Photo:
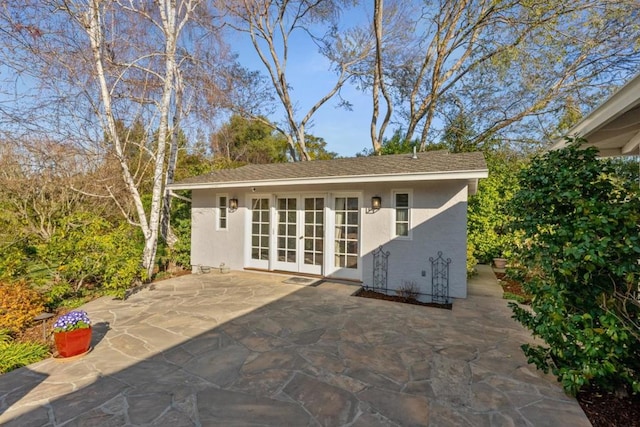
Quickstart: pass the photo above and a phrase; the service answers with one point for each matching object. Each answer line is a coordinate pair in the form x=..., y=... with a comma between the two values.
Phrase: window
x=222, y=212
x=402, y=205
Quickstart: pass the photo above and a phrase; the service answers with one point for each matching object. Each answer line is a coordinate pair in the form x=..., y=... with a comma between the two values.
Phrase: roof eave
x=433, y=176
x=617, y=104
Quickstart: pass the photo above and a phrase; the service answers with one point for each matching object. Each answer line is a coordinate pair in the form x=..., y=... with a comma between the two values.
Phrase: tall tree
x=272, y=26
x=507, y=61
x=105, y=66
x=378, y=86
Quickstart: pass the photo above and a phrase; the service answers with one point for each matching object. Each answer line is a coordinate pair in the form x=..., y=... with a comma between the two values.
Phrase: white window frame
x=409, y=208
x=220, y=210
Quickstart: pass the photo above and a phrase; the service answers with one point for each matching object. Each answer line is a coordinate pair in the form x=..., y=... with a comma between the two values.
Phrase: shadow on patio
x=247, y=349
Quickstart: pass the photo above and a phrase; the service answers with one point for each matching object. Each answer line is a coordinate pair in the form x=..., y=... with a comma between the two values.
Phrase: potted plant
x=72, y=333
x=500, y=262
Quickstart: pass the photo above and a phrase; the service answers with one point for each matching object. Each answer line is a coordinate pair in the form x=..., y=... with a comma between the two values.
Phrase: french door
x=299, y=233
x=259, y=233
x=346, y=237
x=306, y=234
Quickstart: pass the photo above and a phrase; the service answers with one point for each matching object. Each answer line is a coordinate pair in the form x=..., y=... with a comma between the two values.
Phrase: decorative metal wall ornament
x=380, y=269
x=440, y=279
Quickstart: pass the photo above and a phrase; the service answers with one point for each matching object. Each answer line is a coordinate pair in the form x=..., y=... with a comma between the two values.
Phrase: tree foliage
x=581, y=246
x=249, y=141
x=487, y=219
x=506, y=62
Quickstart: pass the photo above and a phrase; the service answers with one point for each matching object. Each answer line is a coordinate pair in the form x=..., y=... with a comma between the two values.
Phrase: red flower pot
x=73, y=343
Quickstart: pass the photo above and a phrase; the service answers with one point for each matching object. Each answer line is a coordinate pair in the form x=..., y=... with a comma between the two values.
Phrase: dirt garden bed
x=364, y=293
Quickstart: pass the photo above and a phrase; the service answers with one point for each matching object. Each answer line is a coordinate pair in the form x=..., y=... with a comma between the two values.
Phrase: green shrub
x=14, y=355
x=471, y=259
x=15, y=260
x=580, y=248
x=180, y=253
x=487, y=223
x=19, y=304
x=87, y=249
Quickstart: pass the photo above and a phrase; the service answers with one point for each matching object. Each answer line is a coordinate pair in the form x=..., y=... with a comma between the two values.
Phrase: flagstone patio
x=246, y=349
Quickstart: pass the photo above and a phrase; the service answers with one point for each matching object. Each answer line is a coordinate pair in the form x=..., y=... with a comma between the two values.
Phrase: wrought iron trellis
x=380, y=269
x=440, y=279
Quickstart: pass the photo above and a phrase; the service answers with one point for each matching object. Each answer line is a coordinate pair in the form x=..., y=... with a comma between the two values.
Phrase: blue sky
x=345, y=131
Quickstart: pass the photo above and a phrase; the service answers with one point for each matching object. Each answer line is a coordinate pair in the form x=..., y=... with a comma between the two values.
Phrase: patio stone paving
x=246, y=349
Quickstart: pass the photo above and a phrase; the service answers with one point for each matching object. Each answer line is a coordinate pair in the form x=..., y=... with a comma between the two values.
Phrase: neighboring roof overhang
x=614, y=126
x=459, y=175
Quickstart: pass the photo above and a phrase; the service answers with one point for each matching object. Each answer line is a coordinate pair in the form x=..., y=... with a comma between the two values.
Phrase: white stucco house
x=614, y=126
x=327, y=217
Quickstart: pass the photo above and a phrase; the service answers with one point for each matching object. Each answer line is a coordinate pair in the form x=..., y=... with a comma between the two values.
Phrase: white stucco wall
x=438, y=222
x=210, y=246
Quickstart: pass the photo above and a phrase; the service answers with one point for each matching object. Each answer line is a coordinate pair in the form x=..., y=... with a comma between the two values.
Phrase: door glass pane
x=287, y=230
x=352, y=203
x=402, y=200
x=313, y=222
x=347, y=232
x=260, y=229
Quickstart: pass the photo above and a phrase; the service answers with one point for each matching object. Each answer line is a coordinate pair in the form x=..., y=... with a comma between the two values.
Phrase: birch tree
x=118, y=62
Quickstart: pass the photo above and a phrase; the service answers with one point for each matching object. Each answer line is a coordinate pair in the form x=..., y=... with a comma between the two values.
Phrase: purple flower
x=71, y=321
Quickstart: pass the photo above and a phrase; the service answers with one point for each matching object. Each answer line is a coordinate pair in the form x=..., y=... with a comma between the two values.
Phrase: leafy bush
x=180, y=252
x=87, y=249
x=14, y=355
x=581, y=246
x=13, y=262
x=487, y=222
x=471, y=259
x=19, y=304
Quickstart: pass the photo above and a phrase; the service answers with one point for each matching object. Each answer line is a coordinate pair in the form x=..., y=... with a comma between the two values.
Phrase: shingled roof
x=431, y=165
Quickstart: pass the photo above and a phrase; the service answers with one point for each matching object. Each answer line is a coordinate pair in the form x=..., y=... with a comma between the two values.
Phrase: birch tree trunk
x=170, y=25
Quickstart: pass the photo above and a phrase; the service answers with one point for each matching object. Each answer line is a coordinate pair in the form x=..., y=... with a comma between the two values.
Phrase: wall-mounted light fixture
x=233, y=204
x=376, y=202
